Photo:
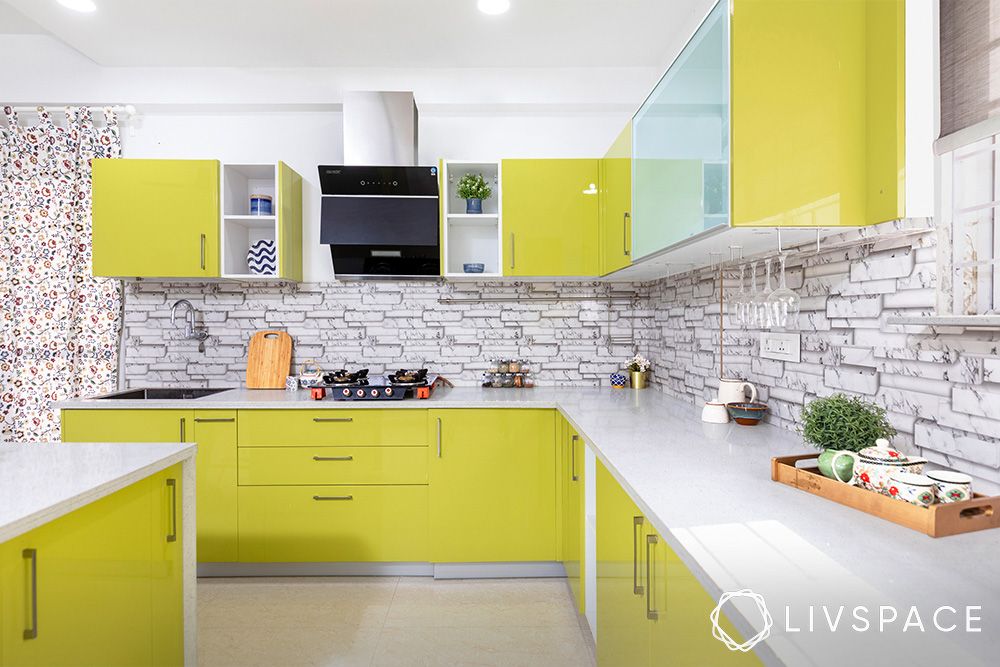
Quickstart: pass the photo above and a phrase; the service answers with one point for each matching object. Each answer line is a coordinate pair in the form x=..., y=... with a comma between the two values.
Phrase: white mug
x=734, y=391
x=715, y=412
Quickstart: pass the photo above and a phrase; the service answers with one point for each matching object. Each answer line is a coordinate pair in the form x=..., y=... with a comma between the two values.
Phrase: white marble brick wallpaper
x=940, y=385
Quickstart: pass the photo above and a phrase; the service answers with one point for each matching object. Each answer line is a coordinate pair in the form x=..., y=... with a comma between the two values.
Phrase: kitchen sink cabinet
x=571, y=485
x=616, y=204
x=493, y=485
x=551, y=212
x=651, y=610
x=213, y=430
x=156, y=218
x=103, y=591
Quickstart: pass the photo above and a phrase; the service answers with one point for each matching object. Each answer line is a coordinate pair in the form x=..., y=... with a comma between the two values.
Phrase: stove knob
x=360, y=393
x=346, y=392
x=373, y=393
x=388, y=391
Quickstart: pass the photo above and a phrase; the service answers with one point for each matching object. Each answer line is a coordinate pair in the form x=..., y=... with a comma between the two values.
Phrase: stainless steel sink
x=160, y=394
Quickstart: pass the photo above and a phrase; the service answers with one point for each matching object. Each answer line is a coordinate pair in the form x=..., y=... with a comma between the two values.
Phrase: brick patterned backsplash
x=384, y=325
x=941, y=386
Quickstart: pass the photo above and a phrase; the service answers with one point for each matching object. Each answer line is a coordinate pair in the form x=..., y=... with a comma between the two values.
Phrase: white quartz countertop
x=707, y=490
x=40, y=482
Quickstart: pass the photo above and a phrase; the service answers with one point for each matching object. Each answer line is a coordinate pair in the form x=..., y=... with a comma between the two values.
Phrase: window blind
x=970, y=63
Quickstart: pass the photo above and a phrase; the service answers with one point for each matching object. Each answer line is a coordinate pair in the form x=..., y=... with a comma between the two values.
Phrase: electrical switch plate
x=781, y=346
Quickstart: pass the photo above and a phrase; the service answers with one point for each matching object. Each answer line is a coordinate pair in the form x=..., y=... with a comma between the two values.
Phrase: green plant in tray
x=844, y=422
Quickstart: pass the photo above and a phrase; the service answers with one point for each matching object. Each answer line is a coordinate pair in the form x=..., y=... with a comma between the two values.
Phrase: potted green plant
x=638, y=368
x=473, y=189
x=838, y=423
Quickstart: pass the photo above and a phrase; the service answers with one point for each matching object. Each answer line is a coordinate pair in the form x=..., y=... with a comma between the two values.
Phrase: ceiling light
x=491, y=7
x=79, y=5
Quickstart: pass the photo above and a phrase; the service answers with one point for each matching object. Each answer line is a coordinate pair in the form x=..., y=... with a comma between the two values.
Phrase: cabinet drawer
x=332, y=465
x=288, y=524
x=405, y=427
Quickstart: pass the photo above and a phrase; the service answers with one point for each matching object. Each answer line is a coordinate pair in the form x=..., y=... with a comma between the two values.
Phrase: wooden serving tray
x=938, y=520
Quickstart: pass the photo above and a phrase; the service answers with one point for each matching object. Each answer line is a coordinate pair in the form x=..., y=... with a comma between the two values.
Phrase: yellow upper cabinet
x=289, y=223
x=616, y=204
x=156, y=218
x=817, y=112
x=550, y=217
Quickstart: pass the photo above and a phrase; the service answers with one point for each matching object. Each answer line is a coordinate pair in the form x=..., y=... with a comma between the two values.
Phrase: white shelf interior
x=472, y=237
x=239, y=228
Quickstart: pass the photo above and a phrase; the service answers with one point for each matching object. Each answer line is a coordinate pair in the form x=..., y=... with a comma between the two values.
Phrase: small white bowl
x=915, y=489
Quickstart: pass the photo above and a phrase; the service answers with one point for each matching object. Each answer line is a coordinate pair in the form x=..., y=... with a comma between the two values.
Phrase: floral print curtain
x=59, y=332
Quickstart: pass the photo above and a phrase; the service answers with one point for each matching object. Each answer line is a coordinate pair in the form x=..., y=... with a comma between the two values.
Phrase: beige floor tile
x=425, y=603
x=507, y=647
x=333, y=646
x=294, y=602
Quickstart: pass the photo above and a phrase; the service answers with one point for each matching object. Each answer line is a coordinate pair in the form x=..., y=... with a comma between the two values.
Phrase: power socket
x=781, y=346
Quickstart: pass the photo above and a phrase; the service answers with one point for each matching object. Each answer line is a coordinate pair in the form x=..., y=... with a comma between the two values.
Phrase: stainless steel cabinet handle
x=213, y=420
x=651, y=614
x=183, y=429
x=333, y=497
x=202, y=252
x=572, y=449
x=32, y=554
x=637, y=588
x=172, y=485
x=333, y=419
x=625, y=221
x=439, y=436
x=512, y=250
x=333, y=458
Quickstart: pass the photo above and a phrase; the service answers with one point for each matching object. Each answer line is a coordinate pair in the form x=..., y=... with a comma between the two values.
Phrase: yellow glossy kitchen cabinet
x=366, y=427
x=571, y=487
x=376, y=523
x=88, y=588
x=492, y=485
x=616, y=204
x=651, y=610
x=289, y=230
x=818, y=127
x=167, y=567
x=260, y=466
x=216, y=462
x=156, y=218
x=551, y=212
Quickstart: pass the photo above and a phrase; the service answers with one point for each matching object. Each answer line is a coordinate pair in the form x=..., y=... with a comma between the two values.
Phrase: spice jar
x=518, y=380
x=515, y=366
x=529, y=381
x=503, y=366
x=508, y=380
x=497, y=380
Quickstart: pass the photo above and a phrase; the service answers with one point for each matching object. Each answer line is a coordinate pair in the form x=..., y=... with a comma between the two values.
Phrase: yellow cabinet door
x=678, y=611
x=572, y=512
x=616, y=204
x=493, y=485
x=215, y=433
x=167, y=568
x=156, y=218
x=127, y=425
x=551, y=212
x=93, y=597
x=273, y=466
x=290, y=524
x=333, y=426
x=802, y=116
x=622, y=628
x=289, y=223
x=18, y=646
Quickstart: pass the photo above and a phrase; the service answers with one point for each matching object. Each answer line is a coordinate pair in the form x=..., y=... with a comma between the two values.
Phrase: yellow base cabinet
x=296, y=428
x=156, y=218
x=332, y=465
x=96, y=587
x=289, y=524
x=551, y=212
x=571, y=485
x=216, y=463
x=493, y=485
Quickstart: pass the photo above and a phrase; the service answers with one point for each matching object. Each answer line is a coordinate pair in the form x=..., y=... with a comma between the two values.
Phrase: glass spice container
x=497, y=380
x=529, y=381
x=515, y=366
x=503, y=366
x=518, y=380
x=508, y=380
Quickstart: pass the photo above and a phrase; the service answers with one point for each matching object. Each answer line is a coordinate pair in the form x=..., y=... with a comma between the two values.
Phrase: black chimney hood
x=381, y=222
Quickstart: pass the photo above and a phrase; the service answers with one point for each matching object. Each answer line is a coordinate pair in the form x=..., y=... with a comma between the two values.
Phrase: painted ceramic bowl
x=747, y=414
x=952, y=487
x=618, y=380
x=915, y=489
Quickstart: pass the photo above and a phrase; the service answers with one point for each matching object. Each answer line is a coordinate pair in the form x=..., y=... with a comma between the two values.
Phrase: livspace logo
x=861, y=618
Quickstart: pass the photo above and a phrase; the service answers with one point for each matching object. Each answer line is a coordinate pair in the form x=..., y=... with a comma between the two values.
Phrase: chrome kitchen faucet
x=191, y=332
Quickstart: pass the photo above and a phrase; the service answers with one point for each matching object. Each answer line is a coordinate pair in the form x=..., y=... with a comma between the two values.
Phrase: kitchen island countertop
x=707, y=490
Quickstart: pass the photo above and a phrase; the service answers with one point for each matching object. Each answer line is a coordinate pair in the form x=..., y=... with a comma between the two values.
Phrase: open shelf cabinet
x=240, y=229
x=470, y=238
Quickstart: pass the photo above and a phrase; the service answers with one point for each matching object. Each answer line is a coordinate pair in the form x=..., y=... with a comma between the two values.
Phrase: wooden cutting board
x=269, y=360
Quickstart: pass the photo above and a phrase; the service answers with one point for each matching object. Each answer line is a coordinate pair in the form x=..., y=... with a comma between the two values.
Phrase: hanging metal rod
x=127, y=109
x=537, y=297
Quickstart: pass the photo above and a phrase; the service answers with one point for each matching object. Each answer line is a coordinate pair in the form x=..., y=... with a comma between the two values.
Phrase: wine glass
x=740, y=301
x=753, y=300
x=784, y=303
x=763, y=307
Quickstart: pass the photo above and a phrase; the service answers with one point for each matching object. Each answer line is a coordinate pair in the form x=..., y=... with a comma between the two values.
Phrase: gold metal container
x=640, y=379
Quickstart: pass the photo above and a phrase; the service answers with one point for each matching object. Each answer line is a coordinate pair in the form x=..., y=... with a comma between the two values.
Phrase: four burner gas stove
x=343, y=385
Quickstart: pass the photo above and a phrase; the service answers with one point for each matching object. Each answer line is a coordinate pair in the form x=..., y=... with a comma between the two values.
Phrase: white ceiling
x=362, y=33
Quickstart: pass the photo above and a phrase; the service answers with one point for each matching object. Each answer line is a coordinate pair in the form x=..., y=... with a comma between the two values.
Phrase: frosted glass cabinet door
x=680, y=165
